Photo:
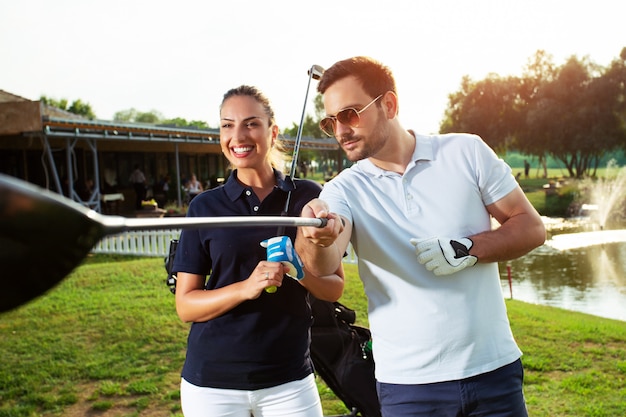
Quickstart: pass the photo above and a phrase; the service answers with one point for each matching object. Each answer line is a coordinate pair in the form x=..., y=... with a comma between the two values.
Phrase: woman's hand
x=265, y=275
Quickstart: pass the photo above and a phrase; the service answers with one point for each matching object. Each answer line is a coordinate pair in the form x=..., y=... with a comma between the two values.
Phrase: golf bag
x=342, y=356
x=170, y=281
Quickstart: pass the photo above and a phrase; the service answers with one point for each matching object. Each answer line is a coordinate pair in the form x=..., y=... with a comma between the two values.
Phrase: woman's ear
x=275, y=133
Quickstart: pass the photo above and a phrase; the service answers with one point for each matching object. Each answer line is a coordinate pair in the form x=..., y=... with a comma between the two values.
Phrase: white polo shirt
x=427, y=328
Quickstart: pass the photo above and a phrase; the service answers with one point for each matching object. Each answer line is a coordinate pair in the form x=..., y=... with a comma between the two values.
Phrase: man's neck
x=397, y=158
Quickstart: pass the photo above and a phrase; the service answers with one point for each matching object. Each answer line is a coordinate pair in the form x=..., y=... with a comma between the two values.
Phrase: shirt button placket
x=408, y=197
x=255, y=206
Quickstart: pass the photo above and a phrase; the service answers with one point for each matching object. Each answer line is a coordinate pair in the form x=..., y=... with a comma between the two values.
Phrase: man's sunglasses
x=349, y=116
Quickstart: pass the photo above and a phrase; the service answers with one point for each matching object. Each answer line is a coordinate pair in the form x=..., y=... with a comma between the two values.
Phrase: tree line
x=131, y=115
x=575, y=112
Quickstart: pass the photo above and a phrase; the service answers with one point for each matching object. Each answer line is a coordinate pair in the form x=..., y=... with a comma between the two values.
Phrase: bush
x=557, y=204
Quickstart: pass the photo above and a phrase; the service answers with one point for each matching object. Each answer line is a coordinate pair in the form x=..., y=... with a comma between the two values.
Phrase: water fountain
x=606, y=198
x=608, y=194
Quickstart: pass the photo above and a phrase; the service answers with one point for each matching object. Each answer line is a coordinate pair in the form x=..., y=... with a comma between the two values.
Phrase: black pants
x=140, y=194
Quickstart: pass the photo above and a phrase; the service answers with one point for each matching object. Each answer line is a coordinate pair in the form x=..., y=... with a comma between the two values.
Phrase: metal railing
x=155, y=243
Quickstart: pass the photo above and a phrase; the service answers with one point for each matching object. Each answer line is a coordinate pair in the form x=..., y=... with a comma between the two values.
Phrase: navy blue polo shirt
x=260, y=343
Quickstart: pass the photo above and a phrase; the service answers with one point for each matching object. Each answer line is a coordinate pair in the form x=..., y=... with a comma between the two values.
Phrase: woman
x=247, y=350
x=194, y=187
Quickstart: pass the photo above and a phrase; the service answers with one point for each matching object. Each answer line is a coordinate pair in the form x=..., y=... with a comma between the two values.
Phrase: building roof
x=5, y=96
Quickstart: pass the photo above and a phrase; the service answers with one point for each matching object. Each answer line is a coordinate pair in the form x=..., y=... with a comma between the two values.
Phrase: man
x=139, y=184
x=417, y=210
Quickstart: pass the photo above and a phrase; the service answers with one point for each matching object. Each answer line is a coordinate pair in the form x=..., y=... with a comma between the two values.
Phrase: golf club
x=315, y=73
x=44, y=235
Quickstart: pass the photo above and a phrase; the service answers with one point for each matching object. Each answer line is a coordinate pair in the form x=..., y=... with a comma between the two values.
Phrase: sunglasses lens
x=328, y=126
x=349, y=117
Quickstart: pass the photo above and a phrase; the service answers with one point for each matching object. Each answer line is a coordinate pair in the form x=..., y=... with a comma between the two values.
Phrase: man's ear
x=390, y=104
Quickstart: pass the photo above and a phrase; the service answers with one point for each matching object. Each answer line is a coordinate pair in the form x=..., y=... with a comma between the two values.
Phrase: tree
x=83, y=109
x=573, y=115
x=125, y=115
x=487, y=108
x=539, y=71
x=132, y=115
x=151, y=117
x=180, y=122
x=77, y=107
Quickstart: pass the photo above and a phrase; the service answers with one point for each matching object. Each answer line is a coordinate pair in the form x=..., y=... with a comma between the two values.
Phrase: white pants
x=293, y=399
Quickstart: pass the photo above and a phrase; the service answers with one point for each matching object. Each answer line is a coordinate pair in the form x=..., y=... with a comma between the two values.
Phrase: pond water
x=580, y=268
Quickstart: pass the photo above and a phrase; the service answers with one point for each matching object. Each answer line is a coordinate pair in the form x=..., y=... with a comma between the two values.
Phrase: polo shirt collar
x=423, y=148
x=234, y=189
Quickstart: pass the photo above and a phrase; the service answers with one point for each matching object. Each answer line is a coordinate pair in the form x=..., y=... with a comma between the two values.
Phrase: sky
x=179, y=57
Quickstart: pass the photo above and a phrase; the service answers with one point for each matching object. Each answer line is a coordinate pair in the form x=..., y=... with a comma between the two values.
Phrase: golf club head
x=316, y=72
x=41, y=241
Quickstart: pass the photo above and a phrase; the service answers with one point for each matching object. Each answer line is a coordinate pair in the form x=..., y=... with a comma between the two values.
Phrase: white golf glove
x=444, y=256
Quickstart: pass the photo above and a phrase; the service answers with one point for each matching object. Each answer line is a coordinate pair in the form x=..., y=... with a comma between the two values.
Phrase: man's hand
x=327, y=235
x=322, y=249
x=444, y=256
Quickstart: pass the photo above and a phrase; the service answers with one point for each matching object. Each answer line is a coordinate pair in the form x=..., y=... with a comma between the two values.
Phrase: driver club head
x=41, y=241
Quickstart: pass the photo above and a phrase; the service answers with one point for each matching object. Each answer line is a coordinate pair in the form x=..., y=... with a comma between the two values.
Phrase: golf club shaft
x=203, y=222
x=296, y=147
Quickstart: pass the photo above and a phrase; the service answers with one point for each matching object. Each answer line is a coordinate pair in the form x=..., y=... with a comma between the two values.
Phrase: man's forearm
x=319, y=260
x=521, y=230
x=513, y=239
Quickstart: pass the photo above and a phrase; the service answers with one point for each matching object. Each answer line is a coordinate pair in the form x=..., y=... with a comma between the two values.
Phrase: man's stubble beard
x=371, y=145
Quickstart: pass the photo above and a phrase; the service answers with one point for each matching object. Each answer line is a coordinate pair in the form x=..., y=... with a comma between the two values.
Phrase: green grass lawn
x=107, y=342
